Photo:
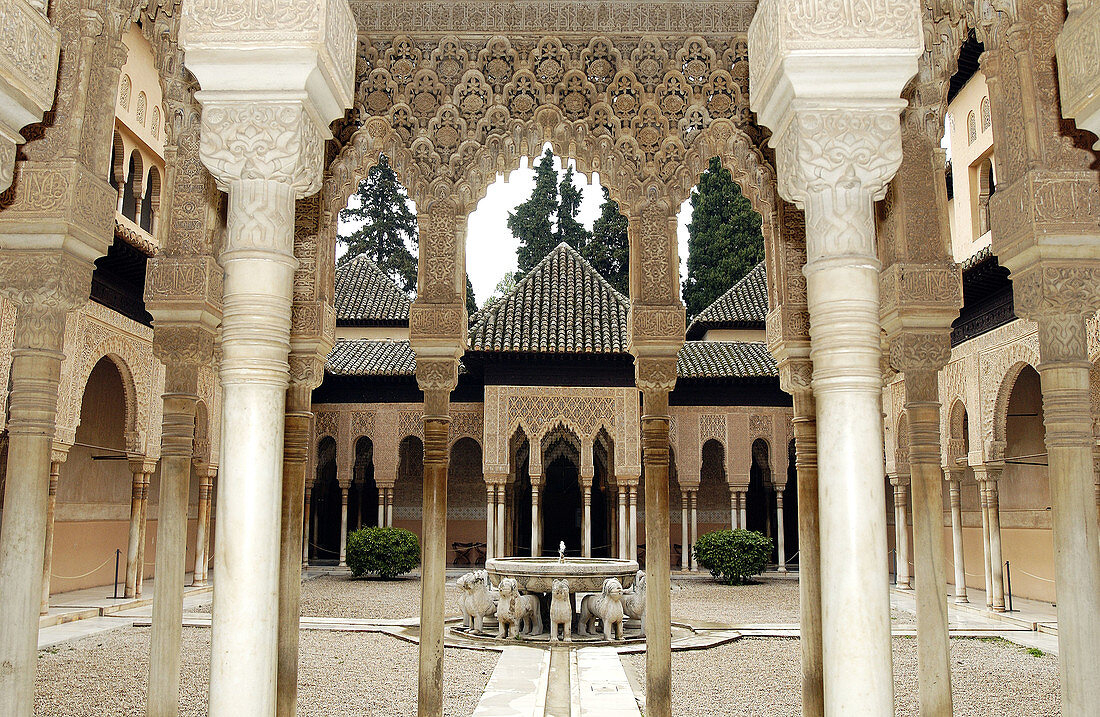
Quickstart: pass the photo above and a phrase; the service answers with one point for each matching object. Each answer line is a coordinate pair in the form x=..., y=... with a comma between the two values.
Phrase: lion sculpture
x=528, y=615
x=561, y=611
x=608, y=607
x=476, y=600
x=634, y=601
x=506, y=609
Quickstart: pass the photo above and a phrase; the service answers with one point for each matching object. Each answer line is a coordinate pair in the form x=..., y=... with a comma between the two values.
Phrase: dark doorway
x=790, y=508
x=562, y=506
x=363, y=495
x=325, y=544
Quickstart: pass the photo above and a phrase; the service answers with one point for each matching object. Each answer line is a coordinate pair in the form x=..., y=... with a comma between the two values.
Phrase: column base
x=961, y=601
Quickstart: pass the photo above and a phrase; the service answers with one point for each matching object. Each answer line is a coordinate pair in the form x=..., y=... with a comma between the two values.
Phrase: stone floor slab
x=517, y=687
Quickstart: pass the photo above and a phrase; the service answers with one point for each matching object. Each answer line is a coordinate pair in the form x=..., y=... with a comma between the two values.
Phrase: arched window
x=155, y=122
x=150, y=203
x=971, y=128
x=124, y=93
x=141, y=107
x=118, y=157
x=131, y=193
x=987, y=115
x=986, y=188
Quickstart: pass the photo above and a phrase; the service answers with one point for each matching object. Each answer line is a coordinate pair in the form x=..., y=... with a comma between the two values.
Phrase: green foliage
x=387, y=234
x=1035, y=652
x=609, y=249
x=724, y=238
x=530, y=222
x=733, y=556
x=569, y=230
x=389, y=552
x=471, y=302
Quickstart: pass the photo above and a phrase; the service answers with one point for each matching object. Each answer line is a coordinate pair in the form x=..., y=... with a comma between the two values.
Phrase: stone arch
x=713, y=502
x=126, y=359
x=466, y=510
x=326, y=503
x=958, y=429
x=758, y=500
x=409, y=485
x=995, y=450
x=363, y=491
x=135, y=176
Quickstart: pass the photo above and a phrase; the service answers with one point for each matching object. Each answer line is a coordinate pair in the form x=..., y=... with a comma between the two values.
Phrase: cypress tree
x=471, y=303
x=609, y=250
x=530, y=222
x=388, y=226
x=569, y=230
x=724, y=238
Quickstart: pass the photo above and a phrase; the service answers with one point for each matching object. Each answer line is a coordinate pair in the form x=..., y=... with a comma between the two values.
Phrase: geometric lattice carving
x=713, y=425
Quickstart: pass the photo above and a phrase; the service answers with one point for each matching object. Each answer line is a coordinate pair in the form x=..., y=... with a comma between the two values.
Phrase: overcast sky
x=491, y=248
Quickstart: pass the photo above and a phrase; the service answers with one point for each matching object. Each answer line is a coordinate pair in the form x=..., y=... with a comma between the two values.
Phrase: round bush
x=389, y=552
x=733, y=556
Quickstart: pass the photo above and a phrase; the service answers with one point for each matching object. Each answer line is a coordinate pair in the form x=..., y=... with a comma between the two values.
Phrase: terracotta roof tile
x=371, y=357
x=562, y=306
x=725, y=359
x=745, y=303
x=364, y=294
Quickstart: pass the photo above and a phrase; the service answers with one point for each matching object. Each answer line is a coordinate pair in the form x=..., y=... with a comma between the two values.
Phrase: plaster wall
x=754, y=335
x=966, y=156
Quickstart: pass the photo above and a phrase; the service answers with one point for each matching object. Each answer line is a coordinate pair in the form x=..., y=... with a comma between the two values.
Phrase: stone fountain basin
x=585, y=575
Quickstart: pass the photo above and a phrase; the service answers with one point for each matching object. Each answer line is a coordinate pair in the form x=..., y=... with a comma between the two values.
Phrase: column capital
x=988, y=473
x=44, y=286
x=1060, y=292
x=142, y=465
x=655, y=373
x=436, y=375
x=1077, y=77
x=184, y=346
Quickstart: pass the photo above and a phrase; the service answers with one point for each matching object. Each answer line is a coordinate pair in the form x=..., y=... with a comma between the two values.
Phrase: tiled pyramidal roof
x=744, y=305
x=725, y=359
x=365, y=295
x=370, y=357
x=562, y=306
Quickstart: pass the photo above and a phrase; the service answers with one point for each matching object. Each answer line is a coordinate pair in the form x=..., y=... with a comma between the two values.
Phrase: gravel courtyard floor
x=761, y=677
x=344, y=673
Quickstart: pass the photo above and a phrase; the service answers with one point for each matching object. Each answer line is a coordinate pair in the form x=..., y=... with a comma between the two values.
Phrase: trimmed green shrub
x=389, y=552
x=733, y=556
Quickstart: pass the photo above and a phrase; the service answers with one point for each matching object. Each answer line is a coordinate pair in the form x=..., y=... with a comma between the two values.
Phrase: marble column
x=133, y=548
x=59, y=455
x=780, y=535
x=987, y=476
x=308, y=368
x=685, y=538
x=694, y=495
x=983, y=503
x=263, y=136
x=742, y=509
x=624, y=530
x=381, y=519
x=178, y=433
x=536, y=519
x=143, y=525
x=389, y=506
x=632, y=521
x=307, y=531
x=734, y=518
x=344, y=524
x=901, y=531
x=834, y=160
x=655, y=378
x=586, y=518
x=502, y=524
x=436, y=378
x=954, y=478
x=796, y=374
x=490, y=521
x=206, y=482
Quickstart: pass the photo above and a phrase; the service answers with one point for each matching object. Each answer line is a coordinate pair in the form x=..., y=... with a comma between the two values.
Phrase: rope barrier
x=1045, y=580
x=78, y=577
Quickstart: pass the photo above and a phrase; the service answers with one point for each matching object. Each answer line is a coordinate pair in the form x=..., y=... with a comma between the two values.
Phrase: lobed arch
x=995, y=448
x=125, y=358
x=959, y=426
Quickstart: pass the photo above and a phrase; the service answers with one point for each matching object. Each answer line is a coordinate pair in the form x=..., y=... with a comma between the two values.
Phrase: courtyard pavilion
x=274, y=110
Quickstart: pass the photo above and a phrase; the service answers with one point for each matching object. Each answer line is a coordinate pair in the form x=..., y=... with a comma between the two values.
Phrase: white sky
x=491, y=248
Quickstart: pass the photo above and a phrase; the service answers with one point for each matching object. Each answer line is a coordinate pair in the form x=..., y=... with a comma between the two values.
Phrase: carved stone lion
x=561, y=611
x=634, y=600
x=476, y=601
x=528, y=615
x=608, y=607
x=506, y=609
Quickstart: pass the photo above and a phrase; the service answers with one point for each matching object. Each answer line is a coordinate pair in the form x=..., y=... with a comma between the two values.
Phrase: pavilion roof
x=371, y=357
x=725, y=359
x=745, y=305
x=562, y=306
x=365, y=295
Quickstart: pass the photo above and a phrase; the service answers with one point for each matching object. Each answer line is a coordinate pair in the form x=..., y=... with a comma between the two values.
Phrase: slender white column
x=694, y=495
x=684, y=537
x=983, y=501
x=51, y=508
x=623, y=529
x=501, y=523
x=957, y=536
x=996, y=560
x=199, y=572
x=742, y=509
x=780, y=535
x=307, y=533
x=901, y=533
x=132, y=545
x=733, y=510
x=343, y=525
x=490, y=521
x=536, y=520
x=381, y=490
x=632, y=538
x=586, y=521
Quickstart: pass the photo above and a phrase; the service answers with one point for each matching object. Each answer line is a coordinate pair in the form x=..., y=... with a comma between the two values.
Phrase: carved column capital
x=796, y=374
x=655, y=373
x=44, y=286
x=183, y=348
x=920, y=351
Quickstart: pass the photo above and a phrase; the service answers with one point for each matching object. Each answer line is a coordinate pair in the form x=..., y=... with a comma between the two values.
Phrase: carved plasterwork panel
x=7, y=340
x=999, y=366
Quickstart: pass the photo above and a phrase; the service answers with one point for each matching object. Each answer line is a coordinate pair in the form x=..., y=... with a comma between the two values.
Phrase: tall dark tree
x=569, y=230
x=471, y=302
x=531, y=222
x=387, y=233
x=609, y=249
x=724, y=238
